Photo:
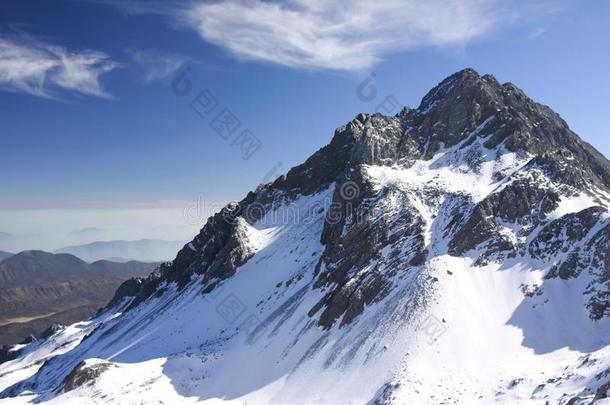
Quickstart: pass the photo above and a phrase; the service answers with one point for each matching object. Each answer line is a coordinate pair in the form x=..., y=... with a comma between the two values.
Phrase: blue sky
x=91, y=123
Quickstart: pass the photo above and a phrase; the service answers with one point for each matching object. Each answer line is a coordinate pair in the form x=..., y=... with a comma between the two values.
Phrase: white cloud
x=339, y=35
x=31, y=66
x=156, y=66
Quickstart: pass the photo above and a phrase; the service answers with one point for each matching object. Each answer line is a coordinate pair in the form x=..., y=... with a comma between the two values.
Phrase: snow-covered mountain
x=454, y=253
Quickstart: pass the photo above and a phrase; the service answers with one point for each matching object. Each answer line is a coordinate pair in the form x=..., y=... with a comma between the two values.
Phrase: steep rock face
x=592, y=257
x=451, y=111
x=401, y=263
x=526, y=200
x=369, y=238
x=7, y=353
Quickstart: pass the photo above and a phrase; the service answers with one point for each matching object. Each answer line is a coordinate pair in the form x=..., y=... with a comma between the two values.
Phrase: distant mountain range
x=144, y=250
x=38, y=289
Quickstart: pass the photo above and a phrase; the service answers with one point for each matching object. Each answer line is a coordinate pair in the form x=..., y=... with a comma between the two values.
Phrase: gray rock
x=7, y=353
x=561, y=234
x=51, y=330
x=84, y=374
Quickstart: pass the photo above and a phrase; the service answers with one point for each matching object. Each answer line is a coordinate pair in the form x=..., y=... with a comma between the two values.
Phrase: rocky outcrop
x=51, y=330
x=599, y=290
x=602, y=392
x=561, y=234
x=84, y=373
x=129, y=288
x=8, y=353
x=524, y=200
x=359, y=227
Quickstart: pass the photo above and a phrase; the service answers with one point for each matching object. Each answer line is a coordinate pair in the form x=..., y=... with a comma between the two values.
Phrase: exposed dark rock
x=602, y=392
x=129, y=288
x=593, y=257
x=84, y=374
x=7, y=353
x=523, y=200
x=562, y=233
x=28, y=340
x=572, y=401
x=451, y=111
x=51, y=330
x=599, y=292
x=385, y=395
x=355, y=232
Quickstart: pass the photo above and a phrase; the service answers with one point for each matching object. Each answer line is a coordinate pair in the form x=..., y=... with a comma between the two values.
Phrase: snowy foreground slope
x=455, y=253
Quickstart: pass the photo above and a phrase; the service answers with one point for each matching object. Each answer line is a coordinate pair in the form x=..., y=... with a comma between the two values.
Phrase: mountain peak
x=466, y=75
x=463, y=107
x=466, y=83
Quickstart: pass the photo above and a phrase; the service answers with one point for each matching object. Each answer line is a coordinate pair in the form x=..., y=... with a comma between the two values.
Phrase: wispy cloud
x=339, y=35
x=32, y=66
x=155, y=66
